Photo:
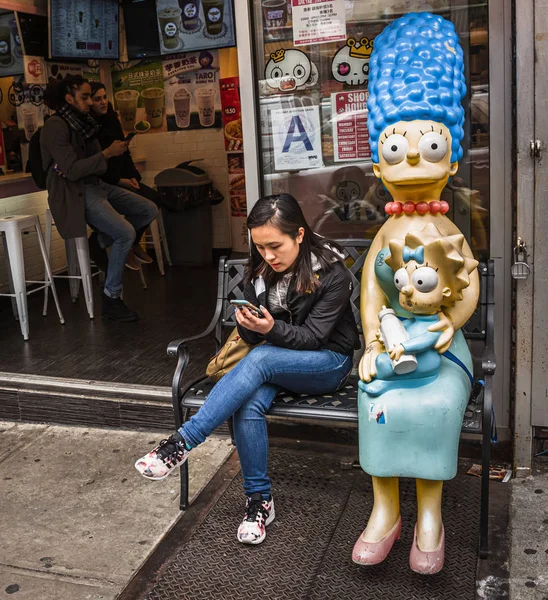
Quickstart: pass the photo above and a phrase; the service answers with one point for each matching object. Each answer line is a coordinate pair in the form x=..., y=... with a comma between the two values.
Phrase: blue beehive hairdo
x=417, y=72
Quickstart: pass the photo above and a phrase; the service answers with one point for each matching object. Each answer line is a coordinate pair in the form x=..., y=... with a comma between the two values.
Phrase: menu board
x=84, y=29
x=141, y=28
x=11, y=55
x=187, y=25
x=350, y=133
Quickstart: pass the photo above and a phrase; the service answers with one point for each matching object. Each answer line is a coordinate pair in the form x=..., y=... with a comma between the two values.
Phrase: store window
x=318, y=86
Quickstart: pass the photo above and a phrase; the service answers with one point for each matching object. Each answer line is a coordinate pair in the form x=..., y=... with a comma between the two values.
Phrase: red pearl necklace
x=435, y=207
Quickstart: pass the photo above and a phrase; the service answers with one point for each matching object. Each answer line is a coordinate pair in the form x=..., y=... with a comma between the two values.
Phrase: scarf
x=83, y=124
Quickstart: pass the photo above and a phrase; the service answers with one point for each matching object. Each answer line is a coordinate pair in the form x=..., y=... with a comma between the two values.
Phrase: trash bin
x=187, y=195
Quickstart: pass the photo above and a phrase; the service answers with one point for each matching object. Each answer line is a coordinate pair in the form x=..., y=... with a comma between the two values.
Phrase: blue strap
x=459, y=362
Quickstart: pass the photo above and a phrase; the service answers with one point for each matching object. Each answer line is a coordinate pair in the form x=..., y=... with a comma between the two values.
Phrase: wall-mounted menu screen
x=187, y=25
x=33, y=31
x=141, y=28
x=11, y=54
x=83, y=29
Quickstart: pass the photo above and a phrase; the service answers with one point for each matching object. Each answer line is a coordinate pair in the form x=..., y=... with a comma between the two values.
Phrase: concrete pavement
x=77, y=520
x=529, y=536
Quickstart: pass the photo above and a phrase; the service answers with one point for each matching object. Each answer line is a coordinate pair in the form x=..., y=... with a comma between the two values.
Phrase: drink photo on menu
x=187, y=25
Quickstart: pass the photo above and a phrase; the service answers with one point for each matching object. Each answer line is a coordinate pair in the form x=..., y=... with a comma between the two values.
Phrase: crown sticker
x=351, y=62
x=278, y=56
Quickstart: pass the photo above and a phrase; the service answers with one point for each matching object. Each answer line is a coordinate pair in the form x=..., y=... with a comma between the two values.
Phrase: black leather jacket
x=319, y=320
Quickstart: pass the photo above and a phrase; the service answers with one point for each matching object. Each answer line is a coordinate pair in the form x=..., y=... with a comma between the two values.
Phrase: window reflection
x=343, y=198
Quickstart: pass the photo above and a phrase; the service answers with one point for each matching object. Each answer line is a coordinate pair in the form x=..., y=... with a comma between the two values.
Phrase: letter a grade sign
x=297, y=138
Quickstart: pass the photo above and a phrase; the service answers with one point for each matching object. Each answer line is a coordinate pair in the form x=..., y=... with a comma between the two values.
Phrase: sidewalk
x=529, y=536
x=77, y=520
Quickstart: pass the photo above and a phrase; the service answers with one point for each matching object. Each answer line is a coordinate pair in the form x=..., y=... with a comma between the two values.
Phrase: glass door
x=317, y=92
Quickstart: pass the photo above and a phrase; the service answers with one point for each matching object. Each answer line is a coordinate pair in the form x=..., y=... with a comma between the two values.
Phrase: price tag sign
x=232, y=115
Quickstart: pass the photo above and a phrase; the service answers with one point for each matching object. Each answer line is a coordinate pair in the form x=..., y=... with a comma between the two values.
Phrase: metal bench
x=342, y=405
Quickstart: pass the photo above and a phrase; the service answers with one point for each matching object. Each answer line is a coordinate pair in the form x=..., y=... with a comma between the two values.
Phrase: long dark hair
x=283, y=211
x=56, y=90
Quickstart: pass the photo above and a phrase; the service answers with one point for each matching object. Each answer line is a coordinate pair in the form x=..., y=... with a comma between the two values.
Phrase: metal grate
x=320, y=511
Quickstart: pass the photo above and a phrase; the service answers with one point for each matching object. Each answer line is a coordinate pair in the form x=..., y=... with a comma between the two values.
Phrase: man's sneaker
x=97, y=254
x=258, y=514
x=114, y=309
x=131, y=261
x=141, y=255
x=160, y=461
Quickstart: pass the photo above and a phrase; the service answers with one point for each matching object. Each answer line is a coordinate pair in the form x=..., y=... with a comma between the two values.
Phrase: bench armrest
x=174, y=346
x=178, y=349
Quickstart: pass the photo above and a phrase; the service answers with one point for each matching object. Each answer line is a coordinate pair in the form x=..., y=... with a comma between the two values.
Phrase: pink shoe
x=373, y=553
x=427, y=563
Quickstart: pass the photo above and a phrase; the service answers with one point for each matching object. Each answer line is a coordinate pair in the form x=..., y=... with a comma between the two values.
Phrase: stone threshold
x=42, y=399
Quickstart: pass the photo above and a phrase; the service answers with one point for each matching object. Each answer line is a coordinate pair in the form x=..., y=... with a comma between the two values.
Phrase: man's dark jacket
x=77, y=159
x=321, y=319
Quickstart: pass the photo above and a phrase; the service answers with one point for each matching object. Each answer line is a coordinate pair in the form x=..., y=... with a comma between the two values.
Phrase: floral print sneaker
x=258, y=514
x=160, y=461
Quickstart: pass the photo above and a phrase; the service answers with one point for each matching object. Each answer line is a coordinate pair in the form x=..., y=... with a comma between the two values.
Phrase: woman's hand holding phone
x=246, y=318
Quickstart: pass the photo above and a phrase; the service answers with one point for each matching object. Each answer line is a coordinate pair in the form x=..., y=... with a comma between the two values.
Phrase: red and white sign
x=35, y=70
x=232, y=113
x=350, y=133
x=318, y=21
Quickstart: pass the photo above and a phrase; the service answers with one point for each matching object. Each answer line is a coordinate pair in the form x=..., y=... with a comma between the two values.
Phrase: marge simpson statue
x=410, y=427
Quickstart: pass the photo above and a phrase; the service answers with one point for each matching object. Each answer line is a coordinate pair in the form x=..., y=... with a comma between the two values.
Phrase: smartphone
x=130, y=136
x=246, y=304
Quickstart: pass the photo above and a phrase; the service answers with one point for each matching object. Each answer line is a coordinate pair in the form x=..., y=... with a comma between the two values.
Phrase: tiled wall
x=165, y=150
x=161, y=151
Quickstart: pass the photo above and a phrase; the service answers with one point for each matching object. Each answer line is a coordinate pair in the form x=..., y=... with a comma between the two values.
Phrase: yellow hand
x=396, y=352
x=444, y=324
x=368, y=367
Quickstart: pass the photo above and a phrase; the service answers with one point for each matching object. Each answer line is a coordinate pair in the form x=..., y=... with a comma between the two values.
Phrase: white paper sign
x=297, y=138
x=318, y=21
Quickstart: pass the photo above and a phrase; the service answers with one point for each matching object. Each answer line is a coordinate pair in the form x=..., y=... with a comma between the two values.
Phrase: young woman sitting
x=303, y=287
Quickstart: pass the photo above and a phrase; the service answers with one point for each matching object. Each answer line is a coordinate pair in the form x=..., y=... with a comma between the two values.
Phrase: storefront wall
x=531, y=367
x=340, y=196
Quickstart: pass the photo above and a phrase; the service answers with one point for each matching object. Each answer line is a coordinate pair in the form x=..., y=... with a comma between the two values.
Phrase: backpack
x=34, y=165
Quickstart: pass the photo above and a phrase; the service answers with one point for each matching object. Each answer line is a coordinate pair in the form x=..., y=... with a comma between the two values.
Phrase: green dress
x=414, y=431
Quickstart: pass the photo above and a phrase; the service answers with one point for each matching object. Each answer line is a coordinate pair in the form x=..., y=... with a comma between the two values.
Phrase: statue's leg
x=386, y=508
x=384, y=525
x=427, y=552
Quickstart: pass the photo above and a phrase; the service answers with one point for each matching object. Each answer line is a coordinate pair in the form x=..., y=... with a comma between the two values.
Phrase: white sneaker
x=160, y=461
x=258, y=514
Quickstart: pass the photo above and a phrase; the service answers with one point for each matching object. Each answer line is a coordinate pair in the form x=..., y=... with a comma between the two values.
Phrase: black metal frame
x=230, y=278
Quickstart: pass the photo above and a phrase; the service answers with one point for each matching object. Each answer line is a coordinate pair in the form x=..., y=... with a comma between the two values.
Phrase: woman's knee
x=259, y=354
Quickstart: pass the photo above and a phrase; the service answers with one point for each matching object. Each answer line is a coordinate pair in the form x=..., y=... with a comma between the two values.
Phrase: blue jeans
x=105, y=204
x=247, y=392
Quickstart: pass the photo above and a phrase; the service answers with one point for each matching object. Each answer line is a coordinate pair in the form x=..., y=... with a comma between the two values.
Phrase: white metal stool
x=12, y=227
x=78, y=266
x=157, y=238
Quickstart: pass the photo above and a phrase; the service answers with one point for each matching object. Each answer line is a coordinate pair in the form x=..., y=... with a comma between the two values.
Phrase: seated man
x=74, y=162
